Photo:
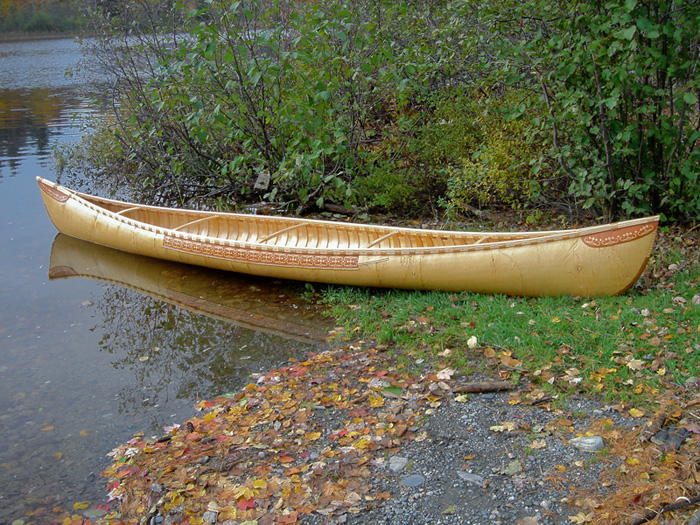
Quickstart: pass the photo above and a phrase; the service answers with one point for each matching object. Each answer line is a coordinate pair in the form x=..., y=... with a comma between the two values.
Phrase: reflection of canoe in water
x=601, y=260
x=219, y=295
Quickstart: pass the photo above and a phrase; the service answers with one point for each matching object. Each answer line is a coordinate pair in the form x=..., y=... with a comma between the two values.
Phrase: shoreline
x=23, y=37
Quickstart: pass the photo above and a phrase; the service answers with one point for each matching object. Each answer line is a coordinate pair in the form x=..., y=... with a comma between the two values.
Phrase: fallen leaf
x=635, y=364
x=246, y=504
x=635, y=412
x=445, y=374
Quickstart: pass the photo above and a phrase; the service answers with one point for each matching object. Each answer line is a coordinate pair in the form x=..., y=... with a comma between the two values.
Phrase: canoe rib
x=599, y=260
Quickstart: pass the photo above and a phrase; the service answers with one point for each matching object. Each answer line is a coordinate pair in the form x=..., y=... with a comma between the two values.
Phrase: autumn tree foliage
x=41, y=15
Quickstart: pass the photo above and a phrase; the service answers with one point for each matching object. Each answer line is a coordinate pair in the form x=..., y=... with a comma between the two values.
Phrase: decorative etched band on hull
x=247, y=255
x=54, y=193
x=613, y=237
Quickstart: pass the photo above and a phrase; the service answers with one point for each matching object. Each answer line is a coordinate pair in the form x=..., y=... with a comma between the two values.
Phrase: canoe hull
x=587, y=262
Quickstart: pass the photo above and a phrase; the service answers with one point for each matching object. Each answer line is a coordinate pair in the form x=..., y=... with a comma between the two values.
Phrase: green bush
x=622, y=86
x=500, y=170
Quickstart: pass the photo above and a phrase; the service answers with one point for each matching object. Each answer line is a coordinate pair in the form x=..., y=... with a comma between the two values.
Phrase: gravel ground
x=465, y=472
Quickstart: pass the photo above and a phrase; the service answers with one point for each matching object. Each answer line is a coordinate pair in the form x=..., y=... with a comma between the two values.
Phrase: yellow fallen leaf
x=506, y=426
x=556, y=320
x=661, y=371
x=260, y=484
x=462, y=398
x=632, y=461
x=58, y=455
x=362, y=444
x=635, y=412
x=312, y=436
x=46, y=428
x=376, y=401
x=81, y=505
x=84, y=433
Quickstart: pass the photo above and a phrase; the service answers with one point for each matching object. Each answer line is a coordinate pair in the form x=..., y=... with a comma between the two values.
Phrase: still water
x=95, y=344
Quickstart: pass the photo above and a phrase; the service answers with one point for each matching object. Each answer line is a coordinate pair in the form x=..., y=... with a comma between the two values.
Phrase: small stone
x=397, y=463
x=588, y=444
x=671, y=436
x=471, y=478
x=414, y=480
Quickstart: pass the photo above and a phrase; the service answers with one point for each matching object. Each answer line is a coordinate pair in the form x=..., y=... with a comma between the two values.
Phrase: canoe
x=594, y=261
x=244, y=301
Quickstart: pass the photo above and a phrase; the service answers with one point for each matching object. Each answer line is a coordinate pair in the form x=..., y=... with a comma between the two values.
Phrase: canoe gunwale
x=515, y=240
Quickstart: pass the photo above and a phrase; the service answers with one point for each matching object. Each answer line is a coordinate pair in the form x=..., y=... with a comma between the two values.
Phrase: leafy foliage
x=47, y=16
x=621, y=83
x=259, y=98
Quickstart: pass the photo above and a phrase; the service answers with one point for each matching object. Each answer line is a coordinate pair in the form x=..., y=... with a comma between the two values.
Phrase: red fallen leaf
x=297, y=371
x=113, y=485
x=246, y=504
x=122, y=473
x=193, y=436
x=286, y=458
x=382, y=373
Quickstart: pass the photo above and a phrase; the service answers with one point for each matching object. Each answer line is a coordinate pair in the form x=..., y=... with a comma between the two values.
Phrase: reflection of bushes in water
x=173, y=351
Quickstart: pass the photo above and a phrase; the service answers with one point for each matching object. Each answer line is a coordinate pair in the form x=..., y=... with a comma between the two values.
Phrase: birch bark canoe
x=594, y=261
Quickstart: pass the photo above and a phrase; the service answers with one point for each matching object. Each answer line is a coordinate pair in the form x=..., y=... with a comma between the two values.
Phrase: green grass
x=624, y=348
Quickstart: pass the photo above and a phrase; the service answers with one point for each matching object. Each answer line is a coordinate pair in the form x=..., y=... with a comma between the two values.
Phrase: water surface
x=96, y=345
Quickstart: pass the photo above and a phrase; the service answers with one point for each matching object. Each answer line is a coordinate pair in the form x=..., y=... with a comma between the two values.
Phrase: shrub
x=621, y=83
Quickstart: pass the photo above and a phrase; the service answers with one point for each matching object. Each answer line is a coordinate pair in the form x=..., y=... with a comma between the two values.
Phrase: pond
x=95, y=344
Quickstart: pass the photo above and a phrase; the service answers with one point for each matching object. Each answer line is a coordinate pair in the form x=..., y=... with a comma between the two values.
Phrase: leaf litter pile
x=302, y=439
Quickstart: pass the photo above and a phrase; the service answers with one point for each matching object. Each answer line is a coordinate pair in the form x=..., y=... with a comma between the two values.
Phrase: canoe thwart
x=196, y=221
x=127, y=210
x=280, y=232
x=382, y=238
